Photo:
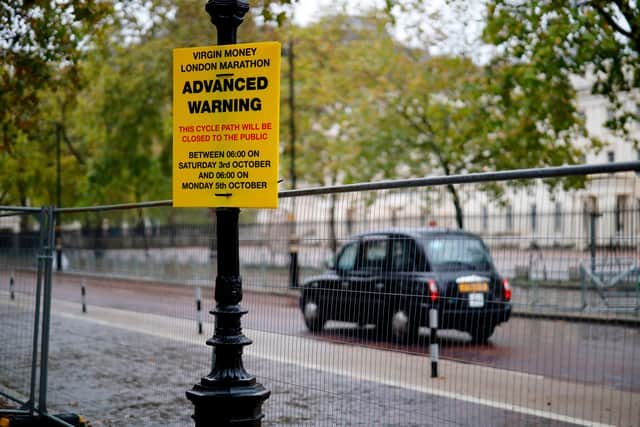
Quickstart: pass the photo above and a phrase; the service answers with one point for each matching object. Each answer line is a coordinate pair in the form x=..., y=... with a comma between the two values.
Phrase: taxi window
x=347, y=259
x=374, y=255
x=403, y=255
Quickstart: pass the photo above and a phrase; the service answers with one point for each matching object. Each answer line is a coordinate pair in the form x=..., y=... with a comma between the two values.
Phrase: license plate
x=473, y=287
x=476, y=300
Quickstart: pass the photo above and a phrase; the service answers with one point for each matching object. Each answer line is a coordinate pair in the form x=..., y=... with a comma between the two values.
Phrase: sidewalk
x=123, y=368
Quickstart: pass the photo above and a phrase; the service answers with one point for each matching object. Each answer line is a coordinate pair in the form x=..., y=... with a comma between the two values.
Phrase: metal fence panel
x=125, y=341
x=20, y=296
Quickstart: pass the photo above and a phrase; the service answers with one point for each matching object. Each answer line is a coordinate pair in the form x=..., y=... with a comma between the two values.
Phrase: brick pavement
x=119, y=377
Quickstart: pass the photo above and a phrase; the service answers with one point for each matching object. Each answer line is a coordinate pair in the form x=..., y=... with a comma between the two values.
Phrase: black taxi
x=391, y=279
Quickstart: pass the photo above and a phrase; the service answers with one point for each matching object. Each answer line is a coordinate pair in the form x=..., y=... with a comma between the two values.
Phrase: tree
x=407, y=112
x=37, y=39
x=434, y=119
x=450, y=116
x=126, y=110
x=41, y=45
x=332, y=102
x=555, y=40
x=125, y=123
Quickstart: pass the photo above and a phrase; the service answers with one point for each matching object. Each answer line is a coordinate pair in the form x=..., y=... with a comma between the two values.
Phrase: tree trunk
x=458, y=207
x=24, y=219
x=333, y=240
x=142, y=229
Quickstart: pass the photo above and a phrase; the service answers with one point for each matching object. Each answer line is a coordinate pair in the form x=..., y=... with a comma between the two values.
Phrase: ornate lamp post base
x=229, y=395
x=228, y=406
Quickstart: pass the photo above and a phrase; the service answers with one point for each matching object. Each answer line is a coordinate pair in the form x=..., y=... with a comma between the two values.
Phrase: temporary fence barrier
x=566, y=355
x=26, y=314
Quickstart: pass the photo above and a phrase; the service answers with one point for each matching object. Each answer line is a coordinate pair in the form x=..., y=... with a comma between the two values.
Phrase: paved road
x=587, y=352
x=544, y=372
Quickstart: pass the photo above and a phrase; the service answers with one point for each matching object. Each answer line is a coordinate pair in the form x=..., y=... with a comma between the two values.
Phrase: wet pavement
x=122, y=378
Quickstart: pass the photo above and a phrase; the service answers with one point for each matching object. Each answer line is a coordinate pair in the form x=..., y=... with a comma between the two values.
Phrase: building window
x=557, y=223
x=621, y=213
x=534, y=217
x=611, y=156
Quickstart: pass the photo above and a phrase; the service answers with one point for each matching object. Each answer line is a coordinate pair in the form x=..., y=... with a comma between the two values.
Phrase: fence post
x=583, y=287
x=46, y=258
x=594, y=216
x=42, y=220
x=229, y=395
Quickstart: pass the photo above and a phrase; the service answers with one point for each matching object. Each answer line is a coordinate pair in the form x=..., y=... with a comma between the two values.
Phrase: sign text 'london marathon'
x=225, y=65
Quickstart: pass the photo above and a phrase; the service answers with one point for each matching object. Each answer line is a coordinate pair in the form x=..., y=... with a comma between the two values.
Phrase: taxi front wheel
x=313, y=317
x=400, y=326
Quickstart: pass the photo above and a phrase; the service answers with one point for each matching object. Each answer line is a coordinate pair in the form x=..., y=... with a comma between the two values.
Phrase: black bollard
x=11, y=286
x=83, y=297
x=229, y=395
x=433, y=344
x=199, y=309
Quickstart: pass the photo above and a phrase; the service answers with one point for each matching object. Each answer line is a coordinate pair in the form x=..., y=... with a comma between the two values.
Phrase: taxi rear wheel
x=482, y=333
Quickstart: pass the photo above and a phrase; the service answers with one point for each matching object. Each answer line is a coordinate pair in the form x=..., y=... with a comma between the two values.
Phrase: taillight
x=506, y=289
x=433, y=290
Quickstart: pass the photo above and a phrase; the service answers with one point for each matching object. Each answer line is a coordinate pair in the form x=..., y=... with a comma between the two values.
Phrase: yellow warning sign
x=226, y=112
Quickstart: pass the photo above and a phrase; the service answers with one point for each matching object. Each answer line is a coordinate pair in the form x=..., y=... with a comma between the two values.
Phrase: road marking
x=156, y=325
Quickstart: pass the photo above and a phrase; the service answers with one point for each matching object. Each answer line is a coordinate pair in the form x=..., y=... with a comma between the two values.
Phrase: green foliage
x=125, y=123
x=551, y=40
x=41, y=44
x=370, y=108
x=334, y=92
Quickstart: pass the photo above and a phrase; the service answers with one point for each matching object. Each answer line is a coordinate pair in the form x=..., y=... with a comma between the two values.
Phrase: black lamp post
x=229, y=395
x=294, y=275
x=292, y=117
